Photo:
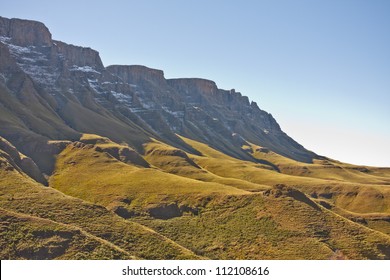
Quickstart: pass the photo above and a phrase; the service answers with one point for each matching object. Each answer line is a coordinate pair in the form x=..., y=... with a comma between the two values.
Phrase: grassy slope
x=21, y=195
x=355, y=197
x=229, y=223
x=28, y=237
x=322, y=169
x=262, y=227
x=95, y=176
x=175, y=161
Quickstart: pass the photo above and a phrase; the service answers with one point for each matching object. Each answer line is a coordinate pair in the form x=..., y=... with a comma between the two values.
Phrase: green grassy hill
x=222, y=207
x=102, y=233
x=106, y=200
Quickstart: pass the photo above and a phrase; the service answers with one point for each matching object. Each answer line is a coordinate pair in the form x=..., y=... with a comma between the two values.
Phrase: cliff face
x=25, y=33
x=78, y=56
x=53, y=90
x=134, y=74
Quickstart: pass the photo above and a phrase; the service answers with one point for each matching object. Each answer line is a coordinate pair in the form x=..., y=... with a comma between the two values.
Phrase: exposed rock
x=79, y=56
x=7, y=62
x=134, y=74
x=194, y=85
x=25, y=32
x=55, y=91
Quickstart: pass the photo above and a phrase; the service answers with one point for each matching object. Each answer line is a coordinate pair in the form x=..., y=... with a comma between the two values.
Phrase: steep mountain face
x=53, y=90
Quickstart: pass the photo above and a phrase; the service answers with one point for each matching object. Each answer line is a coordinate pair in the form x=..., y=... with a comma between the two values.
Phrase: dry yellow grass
x=21, y=195
x=362, y=197
x=214, y=205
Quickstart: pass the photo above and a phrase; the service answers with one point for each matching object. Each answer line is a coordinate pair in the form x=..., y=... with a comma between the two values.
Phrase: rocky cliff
x=25, y=33
x=50, y=90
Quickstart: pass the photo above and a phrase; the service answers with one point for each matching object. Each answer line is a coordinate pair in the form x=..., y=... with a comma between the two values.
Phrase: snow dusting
x=178, y=114
x=94, y=84
x=86, y=69
x=33, y=63
x=4, y=39
x=3, y=78
x=122, y=98
x=41, y=74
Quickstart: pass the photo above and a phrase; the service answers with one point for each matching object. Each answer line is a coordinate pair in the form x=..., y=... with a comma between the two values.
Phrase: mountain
x=179, y=167
x=74, y=93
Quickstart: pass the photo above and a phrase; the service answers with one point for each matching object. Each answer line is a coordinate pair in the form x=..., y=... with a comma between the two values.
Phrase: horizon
x=322, y=106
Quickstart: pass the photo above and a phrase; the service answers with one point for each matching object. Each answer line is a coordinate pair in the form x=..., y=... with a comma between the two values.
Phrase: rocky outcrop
x=25, y=32
x=75, y=56
x=194, y=85
x=134, y=74
x=7, y=62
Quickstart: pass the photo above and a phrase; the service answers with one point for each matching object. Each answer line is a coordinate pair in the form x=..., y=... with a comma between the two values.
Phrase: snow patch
x=146, y=105
x=5, y=39
x=22, y=52
x=110, y=83
x=40, y=74
x=30, y=60
x=94, y=84
x=86, y=69
x=2, y=77
x=137, y=110
x=178, y=114
x=122, y=98
x=32, y=63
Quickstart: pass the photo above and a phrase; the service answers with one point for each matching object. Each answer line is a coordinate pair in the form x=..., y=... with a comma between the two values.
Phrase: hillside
x=119, y=162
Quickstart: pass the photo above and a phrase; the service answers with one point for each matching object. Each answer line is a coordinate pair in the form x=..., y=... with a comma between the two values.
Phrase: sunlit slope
x=273, y=226
x=322, y=169
x=84, y=171
x=23, y=200
x=176, y=161
x=205, y=213
x=349, y=195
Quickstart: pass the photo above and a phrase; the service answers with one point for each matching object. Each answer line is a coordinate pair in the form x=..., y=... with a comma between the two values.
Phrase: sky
x=321, y=68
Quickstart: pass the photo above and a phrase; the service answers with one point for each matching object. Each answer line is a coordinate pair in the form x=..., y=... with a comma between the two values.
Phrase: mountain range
x=119, y=162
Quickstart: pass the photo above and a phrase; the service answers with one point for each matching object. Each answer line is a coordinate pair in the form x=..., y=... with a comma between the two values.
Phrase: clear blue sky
x=321, y=68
